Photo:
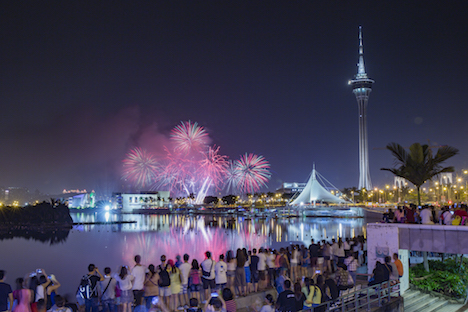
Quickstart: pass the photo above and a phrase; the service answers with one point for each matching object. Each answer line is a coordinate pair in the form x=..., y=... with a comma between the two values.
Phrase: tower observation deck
x=362, y=87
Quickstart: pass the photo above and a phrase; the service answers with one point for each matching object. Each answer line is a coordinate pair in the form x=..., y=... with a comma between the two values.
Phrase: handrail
x=361, y=298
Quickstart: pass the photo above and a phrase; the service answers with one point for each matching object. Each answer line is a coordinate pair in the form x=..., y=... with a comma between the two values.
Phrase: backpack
x=194, y=277
x=86, y=289
x=164, y=278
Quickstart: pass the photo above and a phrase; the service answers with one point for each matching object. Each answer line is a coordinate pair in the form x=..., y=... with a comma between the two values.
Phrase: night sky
x=82, y=82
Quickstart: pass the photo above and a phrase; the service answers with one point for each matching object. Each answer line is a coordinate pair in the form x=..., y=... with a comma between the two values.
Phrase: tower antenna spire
x=361, y=68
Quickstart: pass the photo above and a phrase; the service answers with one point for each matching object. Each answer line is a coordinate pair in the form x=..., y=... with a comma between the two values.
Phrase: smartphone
x=155, y=300
x=39, y=271
x=215, y=294
x=318, y=271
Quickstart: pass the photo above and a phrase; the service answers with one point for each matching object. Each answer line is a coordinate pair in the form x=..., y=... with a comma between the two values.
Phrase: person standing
x=91, y=302
x=220, y=273
x=240, y=281
x=341, y=277
x=447, y=216
x=108, y=291
x=184, y=273
x=176, y=284
x=398, y=264
x=125, y=284
x=351, y=263
x=426, y=216
x=139, y=273
x=208, y=274
x=195, y=281
x=270, y=258
x=286, y=299
x=24, y=296
x=151, y=285
x=261, y=269
x=254, y=276
x=231, y=269
x=164, y=281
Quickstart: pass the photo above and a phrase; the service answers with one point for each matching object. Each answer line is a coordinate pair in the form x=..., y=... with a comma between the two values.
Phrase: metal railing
x=355, y=298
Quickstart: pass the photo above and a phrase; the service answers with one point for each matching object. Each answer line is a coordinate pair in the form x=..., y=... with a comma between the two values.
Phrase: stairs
x=416, y=301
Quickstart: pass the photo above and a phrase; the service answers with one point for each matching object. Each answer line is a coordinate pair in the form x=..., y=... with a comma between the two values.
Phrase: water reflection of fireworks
x=193, y=237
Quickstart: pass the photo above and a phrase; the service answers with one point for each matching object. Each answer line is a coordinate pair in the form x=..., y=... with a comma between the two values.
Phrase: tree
x=210, y=200
x=229, y=199
x=419, y=165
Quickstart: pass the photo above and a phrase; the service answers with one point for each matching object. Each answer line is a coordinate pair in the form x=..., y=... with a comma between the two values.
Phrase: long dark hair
x=19, y=283
x=152, y=270
x=297, y=291
x=123, y=272
x=240, y=256
x=195, y=265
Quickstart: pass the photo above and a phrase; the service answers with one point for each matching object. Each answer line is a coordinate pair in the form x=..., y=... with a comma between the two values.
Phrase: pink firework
x=140, y=167
x=189, y=137
x=178, y=174
x=214, y=166
x=251, y=172
x=232, y=177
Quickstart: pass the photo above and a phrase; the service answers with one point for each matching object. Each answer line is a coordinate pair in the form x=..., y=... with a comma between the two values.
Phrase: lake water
x=67, y=253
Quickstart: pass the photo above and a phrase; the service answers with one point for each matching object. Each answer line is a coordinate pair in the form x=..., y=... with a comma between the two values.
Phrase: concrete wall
x=383, y=240
x=388, y=238
x=435, y=238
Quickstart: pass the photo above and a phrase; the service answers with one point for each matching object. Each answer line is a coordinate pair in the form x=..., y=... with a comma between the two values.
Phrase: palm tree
x=419, y=165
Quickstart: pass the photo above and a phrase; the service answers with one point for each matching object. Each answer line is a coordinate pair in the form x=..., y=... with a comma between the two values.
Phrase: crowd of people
x=447, y=215
x=302, y=276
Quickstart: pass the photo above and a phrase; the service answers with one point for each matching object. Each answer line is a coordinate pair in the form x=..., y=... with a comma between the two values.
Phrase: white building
x=142, y=200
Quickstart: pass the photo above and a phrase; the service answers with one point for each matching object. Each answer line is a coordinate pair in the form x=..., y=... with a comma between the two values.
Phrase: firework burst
x=140, y=167
x=214, y=166
x=250, y=173
x=189, y=137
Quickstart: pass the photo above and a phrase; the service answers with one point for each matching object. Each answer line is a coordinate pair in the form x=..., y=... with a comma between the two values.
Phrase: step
x=416, y=301
x=454, y=307
x=409, y=294
x=414, y=298
x=436, y=307
x=424, y=305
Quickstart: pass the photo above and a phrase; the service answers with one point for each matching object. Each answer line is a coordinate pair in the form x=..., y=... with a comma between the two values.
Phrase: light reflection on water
x=153, y=235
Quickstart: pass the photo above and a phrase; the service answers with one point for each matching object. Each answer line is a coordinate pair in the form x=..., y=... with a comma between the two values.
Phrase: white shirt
x=185, y=271
x=346, y=245
x=426, y=215
x=208, y=265
x=139, y=273
x=126, y=282
x=39, y=292
x=294, y=257
x=267, y=308
x=447, y=218
x=271, y=261
x=232, y=265
x=339, y=252
x=220, y=272
x=261, y=261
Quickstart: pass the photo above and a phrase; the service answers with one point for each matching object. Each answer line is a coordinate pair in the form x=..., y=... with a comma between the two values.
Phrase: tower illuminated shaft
x=362, y=87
